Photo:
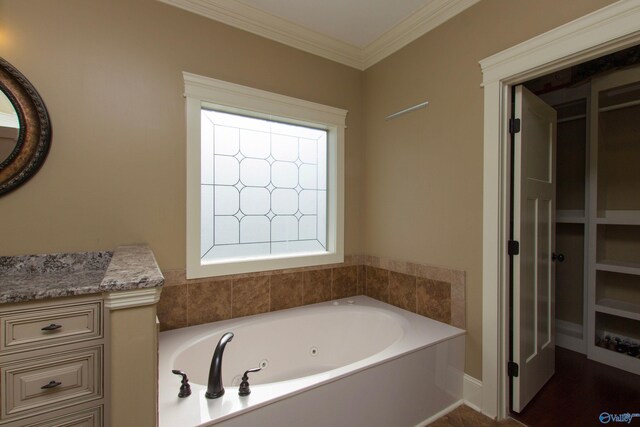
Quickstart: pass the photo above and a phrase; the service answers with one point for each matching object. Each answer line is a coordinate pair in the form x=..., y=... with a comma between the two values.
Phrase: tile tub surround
x=434, y=292
x=36, y=277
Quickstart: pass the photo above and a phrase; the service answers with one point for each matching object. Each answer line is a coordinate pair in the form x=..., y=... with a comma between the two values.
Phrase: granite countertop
x=36, y=277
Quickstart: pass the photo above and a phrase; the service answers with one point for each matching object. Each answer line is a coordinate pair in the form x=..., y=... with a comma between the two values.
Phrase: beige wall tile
x=377, y=283
x=398, y=266
x=172, y=307
x=362, y=280
x=440, y=274
x=458, y=305
x=286, y=291
x=345, y=282
x=372, y=261
x=316, y=286
x=250, y=295
x=174, y=277
x=209, y=302
x=434, y=299
x=402, y=291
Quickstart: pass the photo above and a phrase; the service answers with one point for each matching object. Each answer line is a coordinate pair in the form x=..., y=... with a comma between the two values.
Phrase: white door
x=534, y=227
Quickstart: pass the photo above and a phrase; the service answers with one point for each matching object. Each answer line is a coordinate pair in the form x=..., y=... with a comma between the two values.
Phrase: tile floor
x=463, y=416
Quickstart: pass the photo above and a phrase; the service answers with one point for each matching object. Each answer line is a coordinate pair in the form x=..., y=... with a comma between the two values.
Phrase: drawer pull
x=51, y=384
x=51, y=327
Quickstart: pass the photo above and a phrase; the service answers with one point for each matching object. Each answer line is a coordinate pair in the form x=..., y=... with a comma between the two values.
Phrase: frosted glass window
x=263, y=187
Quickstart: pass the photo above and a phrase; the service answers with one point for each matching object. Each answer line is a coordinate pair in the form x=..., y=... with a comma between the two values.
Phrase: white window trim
x=233, y=98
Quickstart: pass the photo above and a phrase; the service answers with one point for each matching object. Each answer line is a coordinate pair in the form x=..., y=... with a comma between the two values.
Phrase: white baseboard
x=569, y=336
x=472, y=392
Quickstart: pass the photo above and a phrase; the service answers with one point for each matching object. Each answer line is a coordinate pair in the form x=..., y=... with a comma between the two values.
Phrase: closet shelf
x=618, y=267
x=570, y=216
x=619, y=360
x=618, y=217
x=618, y=308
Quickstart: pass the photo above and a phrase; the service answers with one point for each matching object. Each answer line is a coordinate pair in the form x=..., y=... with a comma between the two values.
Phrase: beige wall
x=110, y=74
x=423, y=171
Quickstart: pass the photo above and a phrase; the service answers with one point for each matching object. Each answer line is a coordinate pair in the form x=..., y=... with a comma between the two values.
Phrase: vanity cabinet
x=52, y=363
x=84, y=360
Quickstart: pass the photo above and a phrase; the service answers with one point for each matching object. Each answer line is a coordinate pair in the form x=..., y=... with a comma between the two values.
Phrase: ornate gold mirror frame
x=34, y=137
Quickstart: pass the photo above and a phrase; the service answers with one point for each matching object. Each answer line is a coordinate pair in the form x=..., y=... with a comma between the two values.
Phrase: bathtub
x=350, y=362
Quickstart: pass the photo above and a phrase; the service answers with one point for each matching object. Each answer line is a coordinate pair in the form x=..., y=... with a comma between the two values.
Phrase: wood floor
x=580, y=391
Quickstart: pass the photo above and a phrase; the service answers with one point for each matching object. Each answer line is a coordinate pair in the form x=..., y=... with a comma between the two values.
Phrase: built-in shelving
x=618, y=217
x=610, y=357
x=613, y=306
x=570, y=217
x=618, y=308
x=619, y=267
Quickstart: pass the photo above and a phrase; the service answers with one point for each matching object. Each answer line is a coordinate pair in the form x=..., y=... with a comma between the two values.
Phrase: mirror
x=25, y=129
x=9, y=127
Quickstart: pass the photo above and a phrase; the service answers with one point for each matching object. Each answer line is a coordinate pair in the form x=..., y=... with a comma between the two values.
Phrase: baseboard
x=442, y=413
x=472, y=392
x=569, y=336
x=472, y=397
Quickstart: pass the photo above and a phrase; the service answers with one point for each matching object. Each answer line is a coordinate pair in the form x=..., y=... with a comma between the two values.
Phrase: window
x=264, y=180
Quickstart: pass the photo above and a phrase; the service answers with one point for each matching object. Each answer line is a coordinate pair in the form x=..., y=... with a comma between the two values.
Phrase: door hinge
x=514, y=126
x=513, y=247
x=512, y=369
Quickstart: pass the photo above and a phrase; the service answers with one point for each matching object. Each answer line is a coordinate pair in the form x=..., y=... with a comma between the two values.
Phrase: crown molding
x=247, y=18
x=419, y=23
x=244, y=17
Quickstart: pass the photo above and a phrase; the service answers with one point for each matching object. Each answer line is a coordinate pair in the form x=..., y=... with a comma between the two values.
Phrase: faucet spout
x=214, y=385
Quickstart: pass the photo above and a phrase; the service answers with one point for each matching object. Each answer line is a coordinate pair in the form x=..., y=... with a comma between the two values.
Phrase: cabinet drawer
x=46, y=326
x=87, y=418
x=45, y=383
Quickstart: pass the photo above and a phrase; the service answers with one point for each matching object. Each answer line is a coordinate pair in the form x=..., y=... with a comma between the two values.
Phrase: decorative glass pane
x=260, y=187
x=322, y=218
x=227, y=200
x=284, y=147
x=255, y=173
x=284, y=228
x=254, y=144
x=227, y=230
x=322, y=163
x=226, y=170
x=308, y=227
x=206, y=153
x=284, y=202
x=254, y=229
x=255, y=201
x=227, y=140
x=284, y=174
x=309, y=176
x=308, y=151
x=308, y=202
x=206, y=218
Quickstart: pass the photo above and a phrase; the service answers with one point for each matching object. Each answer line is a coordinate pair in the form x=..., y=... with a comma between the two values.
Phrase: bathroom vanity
x=68, y=323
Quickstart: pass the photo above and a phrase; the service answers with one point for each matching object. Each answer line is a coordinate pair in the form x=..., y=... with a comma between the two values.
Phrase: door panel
x=534, y=228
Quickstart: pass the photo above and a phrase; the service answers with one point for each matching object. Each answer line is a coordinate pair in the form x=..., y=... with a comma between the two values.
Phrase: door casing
x=604, y=31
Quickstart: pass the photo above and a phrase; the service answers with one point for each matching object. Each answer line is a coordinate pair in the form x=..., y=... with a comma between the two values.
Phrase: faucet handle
x=244, y=389
x=185, y=387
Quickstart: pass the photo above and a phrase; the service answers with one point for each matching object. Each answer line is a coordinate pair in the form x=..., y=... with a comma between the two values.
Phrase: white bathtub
x=350, y=362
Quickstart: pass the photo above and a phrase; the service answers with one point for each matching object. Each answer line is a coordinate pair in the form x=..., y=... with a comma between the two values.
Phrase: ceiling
x=357, y=22
x=357, y=33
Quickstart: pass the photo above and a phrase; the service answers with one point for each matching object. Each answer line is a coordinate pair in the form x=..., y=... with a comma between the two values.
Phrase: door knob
x=558, y=257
